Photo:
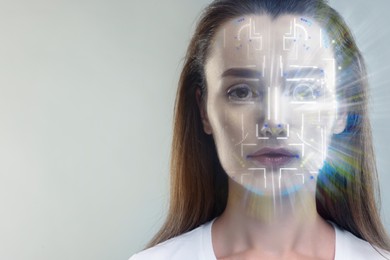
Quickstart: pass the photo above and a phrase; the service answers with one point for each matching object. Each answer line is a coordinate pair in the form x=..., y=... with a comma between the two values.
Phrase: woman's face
x=271, y=102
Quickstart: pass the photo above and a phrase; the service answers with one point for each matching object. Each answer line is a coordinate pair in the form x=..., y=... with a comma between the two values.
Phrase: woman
x=272, y=155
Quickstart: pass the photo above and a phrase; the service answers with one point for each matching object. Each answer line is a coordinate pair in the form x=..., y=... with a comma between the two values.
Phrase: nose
x=272, y=123
x=272, y=130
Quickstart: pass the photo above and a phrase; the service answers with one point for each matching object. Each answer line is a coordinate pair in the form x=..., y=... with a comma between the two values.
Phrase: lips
x=273, y=156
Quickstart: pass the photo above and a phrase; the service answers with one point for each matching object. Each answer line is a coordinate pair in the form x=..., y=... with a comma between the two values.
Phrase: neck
x=273, y=224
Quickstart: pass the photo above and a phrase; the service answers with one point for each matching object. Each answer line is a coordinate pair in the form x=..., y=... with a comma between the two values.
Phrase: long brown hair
x=347, y=188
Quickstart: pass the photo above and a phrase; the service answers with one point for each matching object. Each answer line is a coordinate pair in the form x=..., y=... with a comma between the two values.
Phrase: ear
x=203, y=113
x=340, y=123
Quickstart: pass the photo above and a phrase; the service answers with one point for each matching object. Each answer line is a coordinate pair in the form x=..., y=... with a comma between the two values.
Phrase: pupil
x=303, y=92
x=242, y=93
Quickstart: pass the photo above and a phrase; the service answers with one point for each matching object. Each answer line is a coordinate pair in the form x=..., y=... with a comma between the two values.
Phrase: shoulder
x=189, y=246
x=182, y=245
x=356, y=248
x=363, y=249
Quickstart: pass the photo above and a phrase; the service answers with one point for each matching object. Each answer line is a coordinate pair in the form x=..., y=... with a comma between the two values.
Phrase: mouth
x=273, y=156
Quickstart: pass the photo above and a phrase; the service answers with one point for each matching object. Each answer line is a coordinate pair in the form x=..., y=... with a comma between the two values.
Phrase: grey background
x=86, y=100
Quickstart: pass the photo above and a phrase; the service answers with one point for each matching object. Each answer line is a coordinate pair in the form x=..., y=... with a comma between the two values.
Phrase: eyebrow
x=242, y=73
x=304, y=72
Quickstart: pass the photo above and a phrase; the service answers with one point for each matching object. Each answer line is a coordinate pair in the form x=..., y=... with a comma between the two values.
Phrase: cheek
x=321, y=114
x=313, y=125
x=227, y=136
x=226, y=125
x=233, y=125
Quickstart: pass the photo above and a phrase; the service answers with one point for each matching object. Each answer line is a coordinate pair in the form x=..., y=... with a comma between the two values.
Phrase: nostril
x=282, y=132
x=268, y=133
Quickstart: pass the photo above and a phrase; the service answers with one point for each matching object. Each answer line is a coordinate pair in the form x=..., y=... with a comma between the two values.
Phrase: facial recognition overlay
x=272, y=102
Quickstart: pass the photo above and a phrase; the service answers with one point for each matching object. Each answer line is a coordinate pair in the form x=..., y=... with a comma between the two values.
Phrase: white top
x=197, y=245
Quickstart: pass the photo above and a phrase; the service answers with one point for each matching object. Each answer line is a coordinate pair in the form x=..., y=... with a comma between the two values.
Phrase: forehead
x=262, y=41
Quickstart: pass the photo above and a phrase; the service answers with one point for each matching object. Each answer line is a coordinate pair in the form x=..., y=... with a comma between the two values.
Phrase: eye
x=305, y=91
x=242, y=93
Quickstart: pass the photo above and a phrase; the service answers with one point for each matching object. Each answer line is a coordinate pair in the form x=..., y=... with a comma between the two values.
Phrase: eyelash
x=304, y=91
x=233, y=95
